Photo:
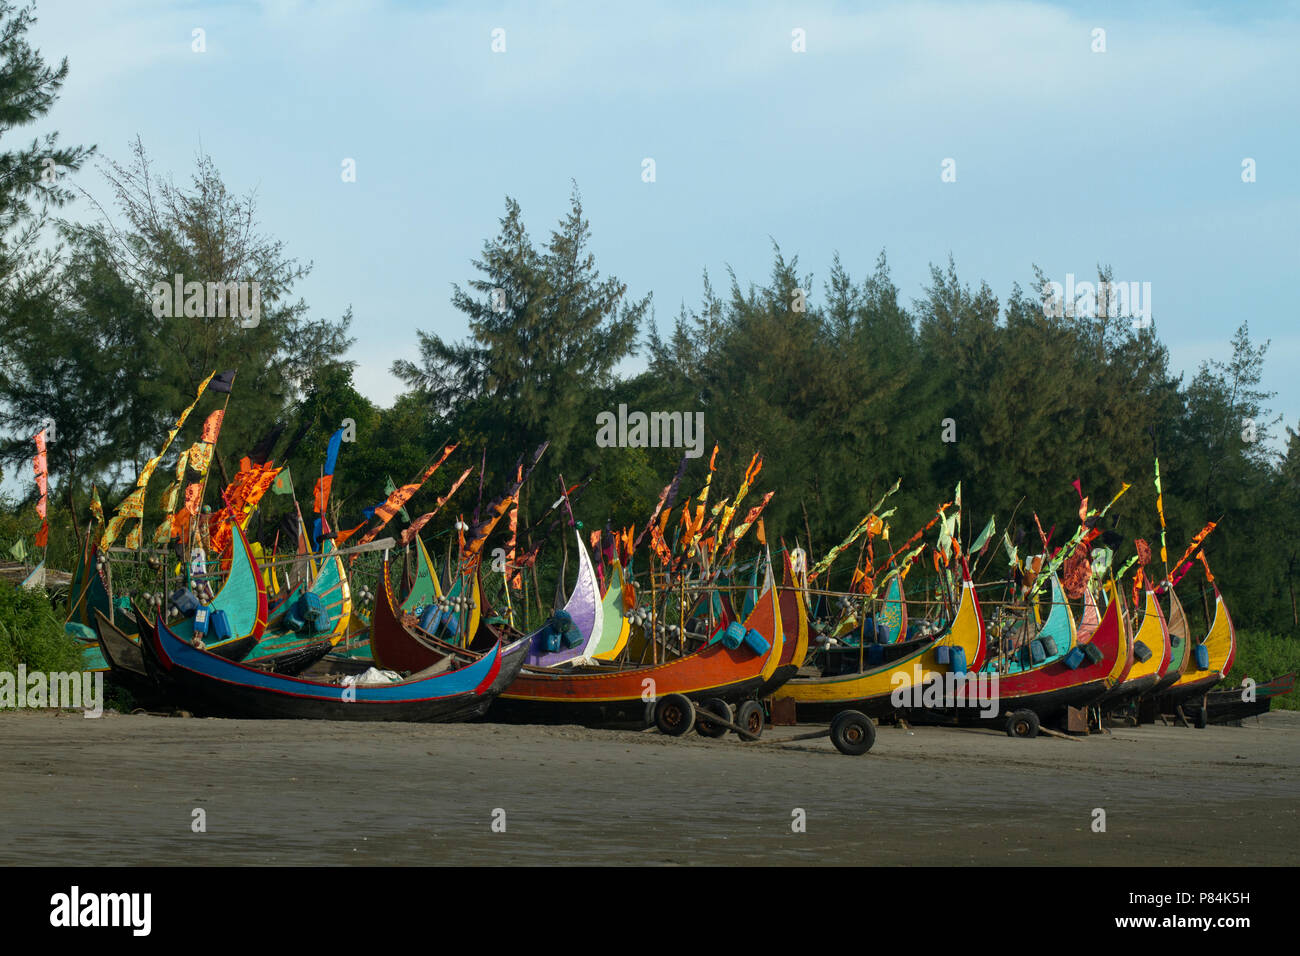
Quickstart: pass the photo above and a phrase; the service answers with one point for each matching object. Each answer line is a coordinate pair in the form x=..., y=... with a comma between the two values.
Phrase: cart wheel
x=750, y=716
x=852, y=732
x=675, y=715
x=717, y=707
x=1022, y=723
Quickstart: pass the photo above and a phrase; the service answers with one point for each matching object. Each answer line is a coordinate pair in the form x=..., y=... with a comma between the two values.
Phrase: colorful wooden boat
x=916, y=662
x=241, y=597
x=1224, y=706
x=1127, y=645
x=207, y=684
x=1179, y=647
x=615, y=627
x=122, y=656
x=713, y=671
x=282, y=645
x=794, y=629
x=1152, y=637
x=1052, y=687
x=405, y=647
x=584, y=611
x=1058, y=635
x=1221, y=650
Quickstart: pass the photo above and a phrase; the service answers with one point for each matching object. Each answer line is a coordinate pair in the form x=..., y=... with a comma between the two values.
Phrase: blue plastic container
x=311, y=611
x=1037, y=653
x=756, y=642
x=551, y=638
x=1202, y=657
x=186, y=601
x=942, y=654
x=958, y=665
x=733, y=636
x=219, y=626
x=1073, y=659
x=1141, y=652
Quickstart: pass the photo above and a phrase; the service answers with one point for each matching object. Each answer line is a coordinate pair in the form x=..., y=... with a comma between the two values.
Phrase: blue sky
x=1065, y=158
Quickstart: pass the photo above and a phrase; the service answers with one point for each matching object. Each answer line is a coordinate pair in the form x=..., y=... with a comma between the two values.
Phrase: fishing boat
x=1081, y=678
x=572, y=633
x=959, y=648
x=615, y=626
x=1211, y=660
x=1151, y=652
x=241, y=598
x=723, y=670
x=317, y=616
x=1127, y=649
x=1054, y=638
x=207, y=684
x=123, y=658
x=402, y=645
x=1238, y=703
x=1180, y=655
x=794, y=629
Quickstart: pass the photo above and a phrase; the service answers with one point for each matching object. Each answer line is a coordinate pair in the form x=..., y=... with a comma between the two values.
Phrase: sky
x=1065, y=156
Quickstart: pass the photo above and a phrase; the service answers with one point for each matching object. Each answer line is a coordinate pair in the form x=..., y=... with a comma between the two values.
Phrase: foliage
x=1262, y=655
x=31, y=634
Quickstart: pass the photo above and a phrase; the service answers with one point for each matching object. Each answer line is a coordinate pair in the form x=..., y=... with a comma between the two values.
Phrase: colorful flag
x=42, y=485
x=399, y=496
x=409, y=534
x=389, y=487
x=471, y=550
x=222, y=382
x=1160, y=510
x=133, y=506
x=283, y=484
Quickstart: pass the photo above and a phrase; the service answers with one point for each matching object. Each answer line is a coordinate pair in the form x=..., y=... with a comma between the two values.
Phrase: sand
x=124, y=790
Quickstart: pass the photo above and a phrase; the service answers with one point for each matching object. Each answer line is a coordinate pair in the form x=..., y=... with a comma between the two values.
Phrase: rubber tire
x=750, y=716
x=649, y=717
x=853, y=733
x=1022, y=723
x=715, y=706
x=675, y=715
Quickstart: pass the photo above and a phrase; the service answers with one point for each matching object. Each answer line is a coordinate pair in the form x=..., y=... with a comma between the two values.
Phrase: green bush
x=31, y=633
x=1263, y=656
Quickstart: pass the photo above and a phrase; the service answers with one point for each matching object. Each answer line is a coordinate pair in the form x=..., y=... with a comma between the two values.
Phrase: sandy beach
x=124, y=790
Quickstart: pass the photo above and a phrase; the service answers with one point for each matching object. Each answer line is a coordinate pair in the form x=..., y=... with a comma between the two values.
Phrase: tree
x=31, y=186
x=31, y=178
x=113, y=365
x=545, y=330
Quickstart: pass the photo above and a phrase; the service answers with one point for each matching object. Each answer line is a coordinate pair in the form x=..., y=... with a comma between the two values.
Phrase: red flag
x=321, y=493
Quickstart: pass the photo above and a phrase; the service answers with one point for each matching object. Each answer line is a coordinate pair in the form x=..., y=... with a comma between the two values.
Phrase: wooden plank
x=1057, y=733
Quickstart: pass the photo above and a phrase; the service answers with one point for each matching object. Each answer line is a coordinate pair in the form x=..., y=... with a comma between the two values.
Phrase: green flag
x=983, y=538
x=19, y=550
x=389, y=488
x=283, y=482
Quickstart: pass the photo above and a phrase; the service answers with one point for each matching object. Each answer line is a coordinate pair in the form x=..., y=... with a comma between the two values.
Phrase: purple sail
x=585, y=609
